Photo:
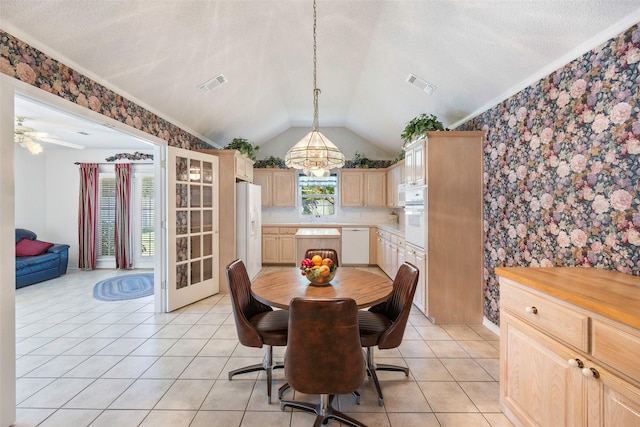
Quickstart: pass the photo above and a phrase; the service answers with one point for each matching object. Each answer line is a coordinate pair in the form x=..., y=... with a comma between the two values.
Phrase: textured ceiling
x=158, y=52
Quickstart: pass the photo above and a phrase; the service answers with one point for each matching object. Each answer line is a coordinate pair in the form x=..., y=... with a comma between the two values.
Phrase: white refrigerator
x=249, y=227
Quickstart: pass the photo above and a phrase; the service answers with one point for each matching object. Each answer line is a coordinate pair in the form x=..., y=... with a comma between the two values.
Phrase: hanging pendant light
x=314, y=153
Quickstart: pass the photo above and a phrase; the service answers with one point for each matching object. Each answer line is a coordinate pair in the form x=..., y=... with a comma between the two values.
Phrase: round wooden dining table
x=279, y=287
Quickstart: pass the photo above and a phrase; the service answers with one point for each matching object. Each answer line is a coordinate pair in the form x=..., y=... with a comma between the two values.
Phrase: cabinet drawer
x=288, y=230
x=557, y=320
x=270, y=230
x=616, y=346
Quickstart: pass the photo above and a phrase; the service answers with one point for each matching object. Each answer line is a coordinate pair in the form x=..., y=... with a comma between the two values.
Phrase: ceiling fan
x=28, y=137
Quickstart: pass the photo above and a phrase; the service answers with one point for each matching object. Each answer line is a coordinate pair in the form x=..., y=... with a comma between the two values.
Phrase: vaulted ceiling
x=475, y=52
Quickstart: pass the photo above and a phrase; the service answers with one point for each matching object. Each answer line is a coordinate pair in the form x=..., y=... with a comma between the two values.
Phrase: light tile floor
x=84, y=362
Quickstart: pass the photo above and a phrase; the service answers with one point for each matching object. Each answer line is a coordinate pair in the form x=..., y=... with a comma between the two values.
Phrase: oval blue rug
x=127, y=286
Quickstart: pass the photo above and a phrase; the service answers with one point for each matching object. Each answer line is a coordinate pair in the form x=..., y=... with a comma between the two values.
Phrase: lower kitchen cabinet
x=563, y=361
x=417, y=257
x=391, y=253
x=278, y=245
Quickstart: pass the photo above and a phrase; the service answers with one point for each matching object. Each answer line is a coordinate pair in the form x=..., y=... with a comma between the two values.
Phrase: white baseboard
x=491, y=326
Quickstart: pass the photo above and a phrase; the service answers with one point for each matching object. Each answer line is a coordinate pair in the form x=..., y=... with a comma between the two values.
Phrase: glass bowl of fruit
x=318, y=271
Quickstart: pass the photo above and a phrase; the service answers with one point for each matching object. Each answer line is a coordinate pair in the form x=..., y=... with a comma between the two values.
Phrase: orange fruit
x=328, y=262
x=324, y=270
x=316, y=260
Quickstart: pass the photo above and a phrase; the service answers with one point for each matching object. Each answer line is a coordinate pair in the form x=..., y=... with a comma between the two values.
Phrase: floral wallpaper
x=23, y=62
x=562, y=168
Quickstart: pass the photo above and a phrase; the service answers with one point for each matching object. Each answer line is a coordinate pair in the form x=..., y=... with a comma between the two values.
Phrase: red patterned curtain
x=87, y=215
x=123, y=215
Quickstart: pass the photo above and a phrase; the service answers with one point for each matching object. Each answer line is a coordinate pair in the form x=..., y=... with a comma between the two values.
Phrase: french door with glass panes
x=192, y=225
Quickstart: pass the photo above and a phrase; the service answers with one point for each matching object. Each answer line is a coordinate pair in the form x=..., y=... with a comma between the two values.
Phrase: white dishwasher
x=355, y=246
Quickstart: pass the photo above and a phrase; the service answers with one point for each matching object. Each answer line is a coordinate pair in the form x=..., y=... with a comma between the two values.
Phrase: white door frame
x=9, y=88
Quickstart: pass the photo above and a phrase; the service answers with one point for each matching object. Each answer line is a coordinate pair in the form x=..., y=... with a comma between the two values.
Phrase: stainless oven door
x=415, y=225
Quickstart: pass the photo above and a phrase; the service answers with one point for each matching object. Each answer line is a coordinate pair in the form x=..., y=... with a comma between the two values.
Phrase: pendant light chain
x=315, y=154
x=316, y=91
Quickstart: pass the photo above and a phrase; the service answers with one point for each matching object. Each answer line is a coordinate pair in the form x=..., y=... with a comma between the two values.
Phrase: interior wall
x=562, y=167
x=31, y=191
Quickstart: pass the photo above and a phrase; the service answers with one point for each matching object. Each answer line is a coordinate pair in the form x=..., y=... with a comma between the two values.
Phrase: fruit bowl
x=318, y=271
x=321, y=280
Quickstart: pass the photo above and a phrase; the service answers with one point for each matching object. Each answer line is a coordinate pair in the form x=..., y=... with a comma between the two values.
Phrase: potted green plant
x=271, y=162
x=361, y=161
x=419, y=125
x=244, y=146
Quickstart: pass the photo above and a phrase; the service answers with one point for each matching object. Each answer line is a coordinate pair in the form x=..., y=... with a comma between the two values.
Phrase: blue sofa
x=34, y=269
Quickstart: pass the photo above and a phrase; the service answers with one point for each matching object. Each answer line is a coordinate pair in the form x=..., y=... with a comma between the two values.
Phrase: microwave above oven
x=415, y=196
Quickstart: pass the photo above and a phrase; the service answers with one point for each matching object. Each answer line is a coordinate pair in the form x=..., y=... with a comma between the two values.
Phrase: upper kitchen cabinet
x=240, y=168
x=415, y=160
x=363, y=188
x=395, y=177
x=243, y=167
x=278, y=186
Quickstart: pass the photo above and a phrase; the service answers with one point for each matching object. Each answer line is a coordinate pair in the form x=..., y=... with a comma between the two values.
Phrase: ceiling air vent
x=420, y=83
x=212, y=84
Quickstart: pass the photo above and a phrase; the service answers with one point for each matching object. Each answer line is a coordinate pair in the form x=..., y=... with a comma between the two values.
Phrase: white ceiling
x=476, y=52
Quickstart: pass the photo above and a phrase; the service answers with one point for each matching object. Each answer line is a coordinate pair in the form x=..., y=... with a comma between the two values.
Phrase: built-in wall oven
x=415, y=216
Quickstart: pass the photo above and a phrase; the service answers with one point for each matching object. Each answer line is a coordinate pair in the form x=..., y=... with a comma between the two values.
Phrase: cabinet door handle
x=532, y=310
x=590, y=372
x=575, y=363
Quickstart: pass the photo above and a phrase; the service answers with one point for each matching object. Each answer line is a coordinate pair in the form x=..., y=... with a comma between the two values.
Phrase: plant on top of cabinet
x=244, y=146
x=361, y=161
x=271, y=162
x=419, y=125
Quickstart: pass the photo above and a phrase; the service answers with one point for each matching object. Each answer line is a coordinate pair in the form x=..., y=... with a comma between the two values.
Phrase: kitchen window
x=317, y=195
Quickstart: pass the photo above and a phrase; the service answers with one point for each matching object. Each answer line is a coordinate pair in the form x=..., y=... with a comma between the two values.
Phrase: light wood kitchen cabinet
x=569, y=358
x=278, y=186
x=363, y=188
x=243, y=167
x=379, y=249
x=453, y=164
x=391, y=253
x=233, y=167
x=415, y=163
x=395, y=177
x=416, y=256
x=278, y=245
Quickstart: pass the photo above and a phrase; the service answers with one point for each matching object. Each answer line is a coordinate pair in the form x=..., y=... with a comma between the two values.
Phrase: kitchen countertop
x=609, y=293
x=394, y=228
x=318, y=232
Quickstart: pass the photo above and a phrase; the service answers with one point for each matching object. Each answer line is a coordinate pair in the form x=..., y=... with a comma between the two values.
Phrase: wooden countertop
x=609, y=293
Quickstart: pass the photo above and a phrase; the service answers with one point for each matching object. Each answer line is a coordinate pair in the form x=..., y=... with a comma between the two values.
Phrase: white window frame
x=336, y=196
x=140, y=172
x=103, y=261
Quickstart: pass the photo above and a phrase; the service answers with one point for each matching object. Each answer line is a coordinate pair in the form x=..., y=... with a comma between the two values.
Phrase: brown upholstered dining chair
x=324, y=253
x=323, y=355
x=257, y=324
x=383, y=324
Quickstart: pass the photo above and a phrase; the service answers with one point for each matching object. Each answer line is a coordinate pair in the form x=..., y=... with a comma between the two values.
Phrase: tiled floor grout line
x=191, y=330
